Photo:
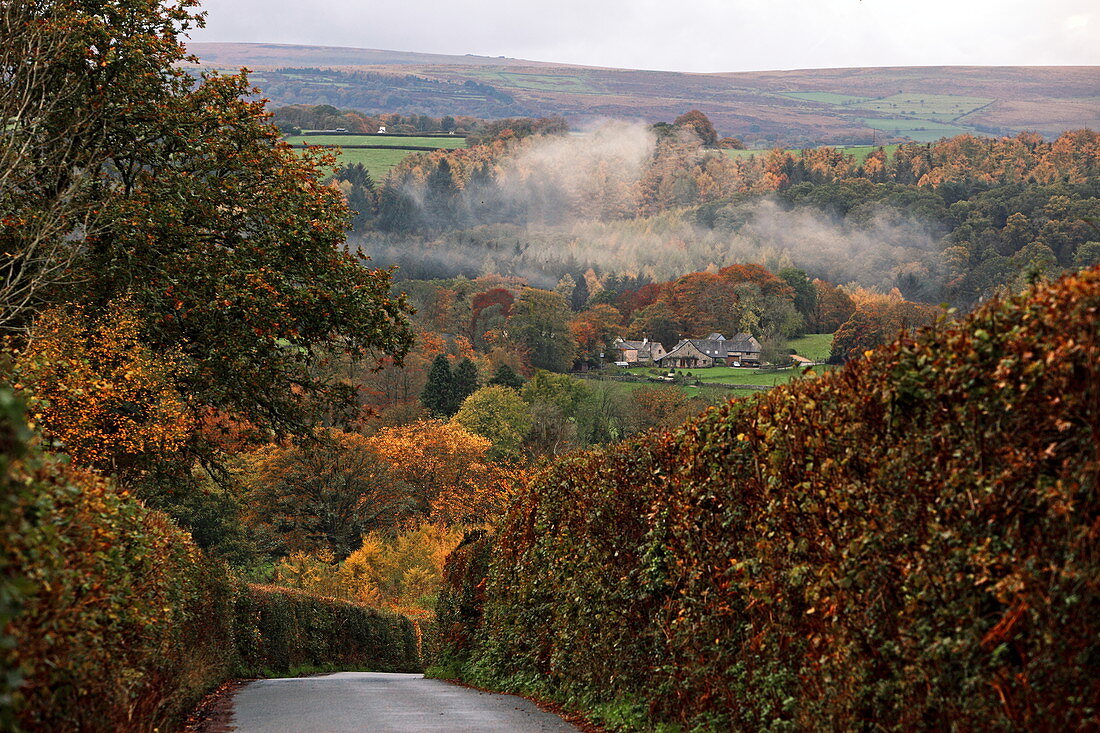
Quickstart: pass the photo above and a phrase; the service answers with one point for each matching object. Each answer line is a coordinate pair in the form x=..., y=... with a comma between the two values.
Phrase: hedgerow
x=279, y=629
x=908, y=543
x=115, y=620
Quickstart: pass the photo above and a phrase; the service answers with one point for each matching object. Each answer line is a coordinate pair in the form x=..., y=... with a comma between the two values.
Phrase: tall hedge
x=114, y=619
x=910, y=543
x=279, y=629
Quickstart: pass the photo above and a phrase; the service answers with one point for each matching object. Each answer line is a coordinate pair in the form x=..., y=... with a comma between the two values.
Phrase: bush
x=908, y=543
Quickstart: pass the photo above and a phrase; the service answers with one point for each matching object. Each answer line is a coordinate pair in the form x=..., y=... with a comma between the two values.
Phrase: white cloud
x=704, y=35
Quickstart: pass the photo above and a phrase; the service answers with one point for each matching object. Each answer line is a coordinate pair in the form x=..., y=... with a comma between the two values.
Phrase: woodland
x=263, y=414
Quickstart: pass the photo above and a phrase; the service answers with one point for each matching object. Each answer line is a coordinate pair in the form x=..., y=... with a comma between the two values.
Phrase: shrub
x=907, y=543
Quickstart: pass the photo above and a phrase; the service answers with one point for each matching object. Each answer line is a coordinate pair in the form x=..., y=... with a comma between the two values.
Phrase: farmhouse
x=715, y=350
x=633, y=353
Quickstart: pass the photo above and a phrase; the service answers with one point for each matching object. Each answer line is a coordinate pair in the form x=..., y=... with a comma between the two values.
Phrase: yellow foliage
x=446, y=470
x=401, y=573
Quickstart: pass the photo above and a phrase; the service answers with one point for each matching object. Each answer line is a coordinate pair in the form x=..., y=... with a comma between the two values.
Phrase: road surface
x=382, y=702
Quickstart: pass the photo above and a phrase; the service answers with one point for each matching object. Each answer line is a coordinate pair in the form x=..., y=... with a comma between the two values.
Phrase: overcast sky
x=685, y=35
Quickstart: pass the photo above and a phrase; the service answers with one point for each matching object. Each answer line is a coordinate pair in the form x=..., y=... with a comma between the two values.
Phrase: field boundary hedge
x=912, y=542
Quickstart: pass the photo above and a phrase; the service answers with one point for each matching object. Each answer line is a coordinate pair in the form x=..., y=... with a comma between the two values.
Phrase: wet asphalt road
x=382, y=702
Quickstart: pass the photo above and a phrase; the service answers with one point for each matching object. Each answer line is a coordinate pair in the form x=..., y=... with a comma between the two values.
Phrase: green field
x=813, y=346
x=825, y=97
x=923, y=131
x=395, y=141
x=730, y=376
x=935, y=107
x=377, y=162
x=537, y=82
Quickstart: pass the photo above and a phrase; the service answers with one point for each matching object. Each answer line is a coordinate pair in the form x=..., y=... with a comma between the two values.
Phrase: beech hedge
x=279, y=629
x=115, y=620
x=908, y=543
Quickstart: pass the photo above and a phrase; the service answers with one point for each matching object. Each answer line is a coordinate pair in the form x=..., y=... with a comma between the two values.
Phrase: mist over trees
x=943, y=222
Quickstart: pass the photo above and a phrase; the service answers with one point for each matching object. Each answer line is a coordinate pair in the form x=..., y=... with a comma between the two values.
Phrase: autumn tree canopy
x=225, y=245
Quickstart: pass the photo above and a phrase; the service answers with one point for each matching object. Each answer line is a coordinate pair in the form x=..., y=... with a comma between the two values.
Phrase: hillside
x=801, y=107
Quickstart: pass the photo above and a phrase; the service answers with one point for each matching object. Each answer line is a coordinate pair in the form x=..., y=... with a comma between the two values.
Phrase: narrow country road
x=381, y=702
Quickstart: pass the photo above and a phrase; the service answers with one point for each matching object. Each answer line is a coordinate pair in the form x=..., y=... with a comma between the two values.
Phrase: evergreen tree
x=362, y=197
x=579, y=301
x=505, y=376
x=397, y=212
x=440, y=192
x=438, y=392
x=464, y=383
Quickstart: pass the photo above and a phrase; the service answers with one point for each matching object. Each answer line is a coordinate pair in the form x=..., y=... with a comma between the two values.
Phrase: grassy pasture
x=825, y=97
x=813, y=346
x=923, y=131
x=567, y=83
x=734, y=377
x=860, y=152
x=450, y=143
x=936, y=107
x=377, y=162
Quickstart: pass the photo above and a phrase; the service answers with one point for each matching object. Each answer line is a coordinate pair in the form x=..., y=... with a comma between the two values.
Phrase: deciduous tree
x=324, y=493
x=540, y=321
x=499, y=414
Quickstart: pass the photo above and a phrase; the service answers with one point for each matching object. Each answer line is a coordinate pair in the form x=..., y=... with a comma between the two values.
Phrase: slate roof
x=644, y=348
x=717, y=346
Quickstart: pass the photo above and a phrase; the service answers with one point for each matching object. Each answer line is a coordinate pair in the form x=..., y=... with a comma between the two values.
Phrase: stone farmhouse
x=636, y=353
x=715, y=350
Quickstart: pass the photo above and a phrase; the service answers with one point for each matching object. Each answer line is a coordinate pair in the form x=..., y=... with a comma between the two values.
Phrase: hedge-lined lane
x=122, y=623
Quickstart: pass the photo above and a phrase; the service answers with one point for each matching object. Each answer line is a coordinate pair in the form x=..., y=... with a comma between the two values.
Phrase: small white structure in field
x=382, y=130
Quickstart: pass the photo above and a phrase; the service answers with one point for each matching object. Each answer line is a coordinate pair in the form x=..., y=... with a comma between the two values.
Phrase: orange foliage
x=595, y=328
x=100, y=390
x=446, y=470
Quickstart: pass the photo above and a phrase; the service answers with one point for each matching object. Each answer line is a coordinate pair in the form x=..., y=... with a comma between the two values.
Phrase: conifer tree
x=505, y=376
x=438, y=392
x=464, y=384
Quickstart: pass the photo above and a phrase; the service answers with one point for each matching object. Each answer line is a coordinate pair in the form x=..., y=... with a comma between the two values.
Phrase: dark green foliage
x=361, y=193
x=13, y=439
x=279, y=629
x=459, y=609
x=805, y=294
x=397, y=211
x=908, y=543
x=438, y=394
x=465, y=383
x=505, y=376
x=540, y=321
x=440, y=194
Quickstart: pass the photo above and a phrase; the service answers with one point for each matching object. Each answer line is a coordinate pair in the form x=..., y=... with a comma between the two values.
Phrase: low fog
x=564, y=204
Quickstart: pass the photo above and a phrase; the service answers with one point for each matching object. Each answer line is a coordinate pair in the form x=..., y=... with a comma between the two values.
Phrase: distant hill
x=807, y=107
